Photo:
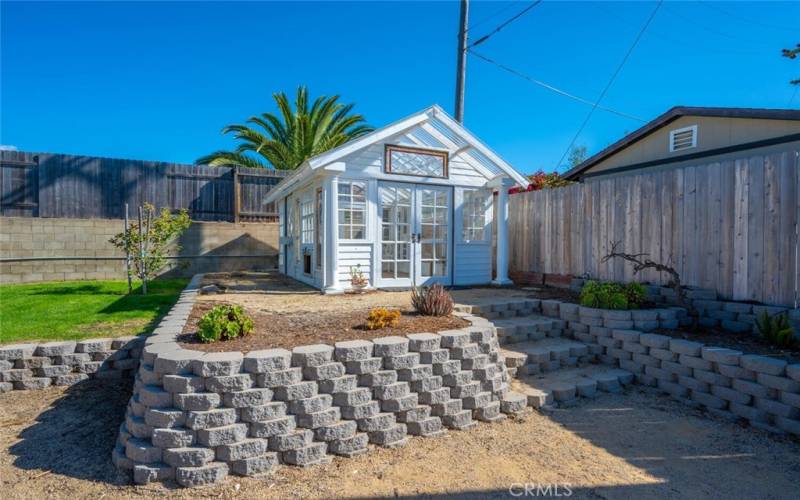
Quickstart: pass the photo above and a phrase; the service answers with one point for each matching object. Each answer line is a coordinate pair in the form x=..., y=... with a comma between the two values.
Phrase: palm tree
x=286, y=140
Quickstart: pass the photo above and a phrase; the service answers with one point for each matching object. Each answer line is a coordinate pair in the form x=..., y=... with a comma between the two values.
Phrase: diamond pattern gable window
x=404, y=160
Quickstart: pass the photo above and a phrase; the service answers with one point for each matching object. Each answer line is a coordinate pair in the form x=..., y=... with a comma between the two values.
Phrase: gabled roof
x=432, y=128
x=672, y=115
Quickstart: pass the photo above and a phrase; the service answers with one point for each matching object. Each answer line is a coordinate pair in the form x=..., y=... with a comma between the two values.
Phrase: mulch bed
x=290, y=330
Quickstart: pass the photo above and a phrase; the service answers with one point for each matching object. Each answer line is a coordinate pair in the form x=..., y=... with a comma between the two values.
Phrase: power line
x=492, y=16
x=714, y=30
x=743, y=19
x=611, y=80
x=794, y=94
x=692, y=45
x=504, y=24
x=553, y=88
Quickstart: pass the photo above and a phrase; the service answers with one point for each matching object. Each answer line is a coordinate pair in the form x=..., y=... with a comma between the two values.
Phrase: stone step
x=564, y=386
x=546, y=355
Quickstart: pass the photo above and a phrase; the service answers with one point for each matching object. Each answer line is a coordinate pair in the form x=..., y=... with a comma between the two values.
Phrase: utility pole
x=461, y=62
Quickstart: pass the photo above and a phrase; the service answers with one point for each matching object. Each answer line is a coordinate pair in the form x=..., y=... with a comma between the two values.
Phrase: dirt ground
x=287, y=330
x=57, y=443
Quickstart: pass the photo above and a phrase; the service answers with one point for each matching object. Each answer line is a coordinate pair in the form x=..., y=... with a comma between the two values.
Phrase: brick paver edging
x=195, y=416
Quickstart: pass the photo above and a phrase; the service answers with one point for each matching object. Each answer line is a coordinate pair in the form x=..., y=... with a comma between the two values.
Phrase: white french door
x=415, y=234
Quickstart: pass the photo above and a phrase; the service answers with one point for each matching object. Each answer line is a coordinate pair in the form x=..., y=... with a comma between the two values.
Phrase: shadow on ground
x=76, y=434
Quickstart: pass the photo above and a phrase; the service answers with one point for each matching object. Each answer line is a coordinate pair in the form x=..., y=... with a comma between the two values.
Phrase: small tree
x=149, y=247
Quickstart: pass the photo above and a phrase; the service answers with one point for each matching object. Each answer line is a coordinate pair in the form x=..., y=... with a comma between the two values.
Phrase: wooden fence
x=55, y=185
x=729, y=226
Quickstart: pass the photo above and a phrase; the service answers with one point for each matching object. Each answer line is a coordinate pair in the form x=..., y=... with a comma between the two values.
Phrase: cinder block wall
x=208, y=246
x=195, y=416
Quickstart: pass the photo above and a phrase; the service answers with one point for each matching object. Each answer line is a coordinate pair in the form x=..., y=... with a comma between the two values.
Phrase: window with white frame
x=474, y=207
x=352, y=198
x=307, y=221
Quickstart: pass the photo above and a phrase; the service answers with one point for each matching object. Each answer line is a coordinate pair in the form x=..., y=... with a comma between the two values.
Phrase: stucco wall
x=712, y=133
x=206, y=246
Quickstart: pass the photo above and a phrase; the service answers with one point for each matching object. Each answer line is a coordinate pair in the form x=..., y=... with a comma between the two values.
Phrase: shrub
x=776, y=329
x=380, y=317
x=159, y=231
x=635, y=294
x=224, y=323
x=433, y=301
x=612, y=295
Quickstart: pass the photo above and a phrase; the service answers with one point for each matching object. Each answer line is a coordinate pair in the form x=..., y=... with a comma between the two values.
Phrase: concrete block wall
x=36, y=366
x=762, y=390
x=728, y=315
x=211, y=244
x=195, y=417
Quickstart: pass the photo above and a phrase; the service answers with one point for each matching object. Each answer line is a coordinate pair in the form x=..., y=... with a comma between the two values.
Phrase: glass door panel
x=434, y=231
x=396, y=234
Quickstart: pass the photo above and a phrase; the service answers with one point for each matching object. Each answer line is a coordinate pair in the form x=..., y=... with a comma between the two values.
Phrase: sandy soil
x=56, y=443
x=287, y=330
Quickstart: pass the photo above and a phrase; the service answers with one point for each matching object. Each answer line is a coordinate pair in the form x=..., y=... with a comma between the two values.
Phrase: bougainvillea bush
x=541, y=180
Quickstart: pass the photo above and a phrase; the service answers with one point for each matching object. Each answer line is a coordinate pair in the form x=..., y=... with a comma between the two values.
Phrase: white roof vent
x=682, y=138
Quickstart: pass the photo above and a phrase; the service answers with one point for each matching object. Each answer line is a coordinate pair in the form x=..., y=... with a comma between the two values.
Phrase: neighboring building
x=690, y=135
x=411, y=204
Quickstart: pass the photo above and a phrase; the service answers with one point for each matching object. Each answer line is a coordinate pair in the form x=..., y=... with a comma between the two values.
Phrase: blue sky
x=159, y=80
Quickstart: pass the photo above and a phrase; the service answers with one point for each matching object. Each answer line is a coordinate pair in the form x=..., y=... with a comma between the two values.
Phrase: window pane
x=358, y=189
x=403, y=233
x=387, y=251
x=427, y=251
x=403, y=269
x=441, y=250
x=427, y=268
x=440, y=268
x=344, y=232
x=344, y=188
x=387, y=269
x=387, y=233
x=358, y=233
x=427, y=231
x=416, y=163
x=403, y=251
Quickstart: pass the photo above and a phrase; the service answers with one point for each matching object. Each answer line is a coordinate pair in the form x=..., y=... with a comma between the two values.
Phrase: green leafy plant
x=776, y=329
x=159, y=230
x=224, y=323
x=433, y=301
x=635, y=294
x=612, y=295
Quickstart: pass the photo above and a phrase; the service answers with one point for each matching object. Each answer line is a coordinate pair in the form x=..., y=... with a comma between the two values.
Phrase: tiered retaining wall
x=36, y=366
x=729, y=315
x=763, y=390
x=195, y=417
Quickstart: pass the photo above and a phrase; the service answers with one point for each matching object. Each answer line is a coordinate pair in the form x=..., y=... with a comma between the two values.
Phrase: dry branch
x=642, y=261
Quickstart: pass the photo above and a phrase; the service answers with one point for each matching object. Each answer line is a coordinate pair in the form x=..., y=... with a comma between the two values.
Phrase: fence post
x=236, y=195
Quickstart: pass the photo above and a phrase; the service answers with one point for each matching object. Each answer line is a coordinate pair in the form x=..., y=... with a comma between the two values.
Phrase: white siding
x=369, y=163
x=351, y=255
x=473, y=264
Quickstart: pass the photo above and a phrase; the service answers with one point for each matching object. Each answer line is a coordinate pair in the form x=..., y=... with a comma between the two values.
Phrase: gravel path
x=56, y=443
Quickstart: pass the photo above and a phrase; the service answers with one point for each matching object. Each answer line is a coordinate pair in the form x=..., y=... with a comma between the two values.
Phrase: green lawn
x=80, y=309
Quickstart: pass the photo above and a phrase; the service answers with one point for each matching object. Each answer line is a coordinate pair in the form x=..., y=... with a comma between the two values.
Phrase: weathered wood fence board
x=730, y=225
x=54, y=185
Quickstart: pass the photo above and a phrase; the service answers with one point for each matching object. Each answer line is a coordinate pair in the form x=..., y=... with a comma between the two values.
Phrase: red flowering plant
x=541, y=180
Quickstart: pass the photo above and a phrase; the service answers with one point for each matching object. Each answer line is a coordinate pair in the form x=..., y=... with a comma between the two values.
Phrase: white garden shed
x=414, y=203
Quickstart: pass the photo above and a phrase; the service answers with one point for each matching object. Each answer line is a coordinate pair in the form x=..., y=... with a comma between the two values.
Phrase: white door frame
x=415, y=277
